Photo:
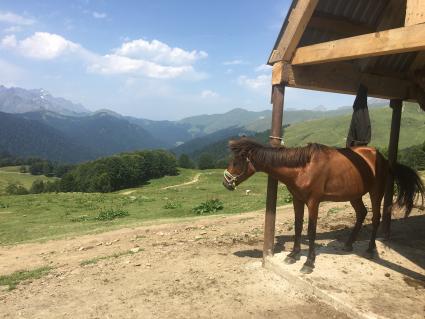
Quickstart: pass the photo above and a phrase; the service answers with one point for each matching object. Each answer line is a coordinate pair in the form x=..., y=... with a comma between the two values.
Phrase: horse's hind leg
x=313, y=210
x=361, y=212
x=293, y=256
x=376, y=218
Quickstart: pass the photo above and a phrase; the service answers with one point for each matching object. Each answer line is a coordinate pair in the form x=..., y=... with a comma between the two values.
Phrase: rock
x=99, y=244
x=387, y=274
x=108, y=243
x=135, y=250
x=203, y=233
x=116, y=240
x=160, y=233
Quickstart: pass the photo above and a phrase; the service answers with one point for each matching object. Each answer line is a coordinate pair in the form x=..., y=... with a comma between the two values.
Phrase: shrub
x=185, y=162
x=209, y=206
x=206, y=161
x=111, y=214
x=172, y=205
x=37, y=187
x=16, y=189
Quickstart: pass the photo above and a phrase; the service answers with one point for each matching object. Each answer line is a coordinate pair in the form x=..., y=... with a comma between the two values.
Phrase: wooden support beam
x=339, y=26
x=415, y=12
x=405, y=39
x=341, y=77
x=276, y=131
x=297, y=22
x=396, y=105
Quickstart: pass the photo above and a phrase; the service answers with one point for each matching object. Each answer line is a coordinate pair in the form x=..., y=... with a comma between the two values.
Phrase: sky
x=162, y=60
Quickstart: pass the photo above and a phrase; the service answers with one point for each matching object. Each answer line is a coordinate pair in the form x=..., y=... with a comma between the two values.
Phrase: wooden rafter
x=415, y=12
x=405, y=39
x=297, y=22
x=340, y=77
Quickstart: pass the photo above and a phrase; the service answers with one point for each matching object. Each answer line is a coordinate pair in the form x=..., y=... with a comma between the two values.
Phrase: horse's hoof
x=289, y=260
x=347, y=248
x=306, y=269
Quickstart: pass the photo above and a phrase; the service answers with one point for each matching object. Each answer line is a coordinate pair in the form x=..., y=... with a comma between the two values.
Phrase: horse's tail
x=409, y=186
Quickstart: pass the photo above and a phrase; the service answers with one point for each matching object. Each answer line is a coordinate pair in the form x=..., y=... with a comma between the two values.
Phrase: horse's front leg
x=313, y=210
x=294, y=255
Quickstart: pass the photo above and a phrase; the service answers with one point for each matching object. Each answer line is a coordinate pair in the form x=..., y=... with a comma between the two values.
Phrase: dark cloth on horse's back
x=360, y=129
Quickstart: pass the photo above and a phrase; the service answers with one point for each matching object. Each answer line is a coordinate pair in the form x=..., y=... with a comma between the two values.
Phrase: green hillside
x=333, y=131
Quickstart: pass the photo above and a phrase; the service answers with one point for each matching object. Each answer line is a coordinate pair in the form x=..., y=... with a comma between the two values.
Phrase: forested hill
x=27, y=138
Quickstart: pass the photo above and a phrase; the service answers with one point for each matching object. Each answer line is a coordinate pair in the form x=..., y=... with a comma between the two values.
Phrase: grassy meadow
x=44, y=216
x=11, y=175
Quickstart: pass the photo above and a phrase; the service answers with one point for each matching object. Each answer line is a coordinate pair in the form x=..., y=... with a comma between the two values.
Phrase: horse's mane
x=273, y=156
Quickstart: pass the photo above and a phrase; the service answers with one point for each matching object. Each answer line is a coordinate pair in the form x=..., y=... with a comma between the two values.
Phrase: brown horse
x=317, y=173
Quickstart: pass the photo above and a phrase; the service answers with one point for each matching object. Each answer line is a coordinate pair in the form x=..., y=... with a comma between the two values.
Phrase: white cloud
x=116, y=64
x=160, y=52
x=41, y=45
x=12, y=18
x=263, y=68
x=259, y=82
x=48, y=46
x=234, y=62
x=99, y=15
x=208, y=94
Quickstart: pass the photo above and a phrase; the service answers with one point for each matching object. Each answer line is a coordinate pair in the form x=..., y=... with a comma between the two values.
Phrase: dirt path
x=198, y=268
x=193, y=181
x=205, y=268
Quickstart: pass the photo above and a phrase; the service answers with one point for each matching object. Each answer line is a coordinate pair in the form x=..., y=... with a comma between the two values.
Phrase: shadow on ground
x=407, y=239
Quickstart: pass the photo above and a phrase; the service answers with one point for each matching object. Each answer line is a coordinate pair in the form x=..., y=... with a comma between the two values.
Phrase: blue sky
x=153, y=59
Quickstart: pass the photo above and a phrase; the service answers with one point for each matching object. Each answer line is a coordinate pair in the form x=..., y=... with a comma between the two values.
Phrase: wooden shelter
x=336, y=45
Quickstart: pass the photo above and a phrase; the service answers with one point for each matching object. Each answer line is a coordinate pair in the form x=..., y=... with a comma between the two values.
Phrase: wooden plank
x=343, y=77
x=396, y=105
x=276, y=131
x=297, y=22
x=405, y=39
x=415, y=12
x=339, y=26
x=277, y=73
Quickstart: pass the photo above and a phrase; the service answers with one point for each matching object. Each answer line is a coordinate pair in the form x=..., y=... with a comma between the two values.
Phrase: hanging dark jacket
x=360, y=129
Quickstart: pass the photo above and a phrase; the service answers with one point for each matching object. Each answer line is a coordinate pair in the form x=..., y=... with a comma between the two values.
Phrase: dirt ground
x=200, y=268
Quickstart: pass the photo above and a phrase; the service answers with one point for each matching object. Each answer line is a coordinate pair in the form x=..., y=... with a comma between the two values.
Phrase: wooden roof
x=334, y=45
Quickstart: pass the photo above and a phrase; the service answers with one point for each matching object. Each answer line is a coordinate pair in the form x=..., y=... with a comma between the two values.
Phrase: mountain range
x=37, y=124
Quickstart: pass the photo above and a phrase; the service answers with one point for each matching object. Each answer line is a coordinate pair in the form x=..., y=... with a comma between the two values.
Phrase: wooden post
x=276, y=131
x=396, y=105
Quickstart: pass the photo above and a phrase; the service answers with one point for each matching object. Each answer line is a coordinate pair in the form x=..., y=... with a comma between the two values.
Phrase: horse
x=317, y=173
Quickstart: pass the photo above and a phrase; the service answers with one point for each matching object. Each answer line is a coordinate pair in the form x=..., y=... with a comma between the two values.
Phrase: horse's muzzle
x=230, y=187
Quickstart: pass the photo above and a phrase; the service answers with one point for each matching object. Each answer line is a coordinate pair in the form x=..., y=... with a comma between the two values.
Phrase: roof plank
x=297, y=23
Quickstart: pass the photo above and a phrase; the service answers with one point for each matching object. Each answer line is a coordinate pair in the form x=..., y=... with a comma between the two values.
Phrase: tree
x=206, y=161
x=185, y=162
x=37, y=187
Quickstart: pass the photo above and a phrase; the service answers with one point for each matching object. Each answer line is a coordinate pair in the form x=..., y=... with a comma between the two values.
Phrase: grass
x=95, y=260
x=333, y=130
x=38, y=217
x=11, y=174
x=18, y=277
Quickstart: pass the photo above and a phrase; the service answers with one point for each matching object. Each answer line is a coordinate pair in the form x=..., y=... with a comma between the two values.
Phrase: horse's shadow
x=407, y=239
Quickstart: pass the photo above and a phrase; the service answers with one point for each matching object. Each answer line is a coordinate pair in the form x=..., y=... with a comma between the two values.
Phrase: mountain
x=18, y=100
x=200, y=142
x=28, y=138
x=102, y=132
x=333, y=131
x=170, y=133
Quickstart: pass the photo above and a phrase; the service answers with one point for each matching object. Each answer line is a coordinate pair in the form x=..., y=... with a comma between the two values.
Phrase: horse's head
x=240, y=166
